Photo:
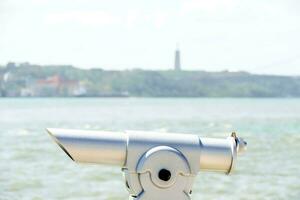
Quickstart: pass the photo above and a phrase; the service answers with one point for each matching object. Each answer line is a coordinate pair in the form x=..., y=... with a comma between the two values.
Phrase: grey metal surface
x=100, y=147
x=156, y=166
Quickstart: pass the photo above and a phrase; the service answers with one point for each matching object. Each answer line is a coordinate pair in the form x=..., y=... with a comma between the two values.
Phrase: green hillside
x=144, y=83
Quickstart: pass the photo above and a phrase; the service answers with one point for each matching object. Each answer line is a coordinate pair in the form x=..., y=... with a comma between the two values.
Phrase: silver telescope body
x=156, y=165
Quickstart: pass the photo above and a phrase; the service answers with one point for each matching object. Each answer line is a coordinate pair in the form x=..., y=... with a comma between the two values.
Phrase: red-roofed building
x=58, y=86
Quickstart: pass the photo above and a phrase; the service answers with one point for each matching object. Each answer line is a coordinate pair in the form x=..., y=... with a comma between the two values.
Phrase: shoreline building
x=177, y=65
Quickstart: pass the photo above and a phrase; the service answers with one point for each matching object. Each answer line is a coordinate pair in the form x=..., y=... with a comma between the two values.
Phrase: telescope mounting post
x=159, y=168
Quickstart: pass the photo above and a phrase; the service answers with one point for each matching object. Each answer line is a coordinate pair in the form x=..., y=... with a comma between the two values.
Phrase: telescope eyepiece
x=240, y=143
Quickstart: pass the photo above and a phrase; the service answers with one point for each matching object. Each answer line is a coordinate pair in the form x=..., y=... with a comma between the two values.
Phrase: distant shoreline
x=27, y=80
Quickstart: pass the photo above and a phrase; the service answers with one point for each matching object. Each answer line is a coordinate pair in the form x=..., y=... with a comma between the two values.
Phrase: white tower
x=177, y=65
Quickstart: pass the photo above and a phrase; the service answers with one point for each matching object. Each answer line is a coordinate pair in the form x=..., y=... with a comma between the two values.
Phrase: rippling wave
x=33, y=167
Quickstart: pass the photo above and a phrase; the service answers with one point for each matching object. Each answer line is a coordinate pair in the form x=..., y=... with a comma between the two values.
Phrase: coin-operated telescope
x=156, y=166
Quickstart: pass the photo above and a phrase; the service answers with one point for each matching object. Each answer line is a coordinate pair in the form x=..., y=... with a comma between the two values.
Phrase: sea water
x=32, y=166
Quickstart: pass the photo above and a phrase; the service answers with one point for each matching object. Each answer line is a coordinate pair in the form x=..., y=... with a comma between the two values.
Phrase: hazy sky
x=260, y=36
